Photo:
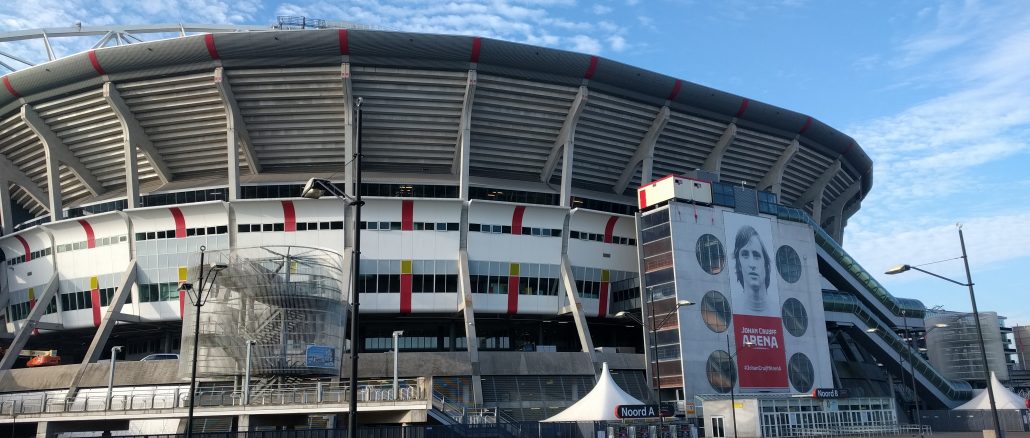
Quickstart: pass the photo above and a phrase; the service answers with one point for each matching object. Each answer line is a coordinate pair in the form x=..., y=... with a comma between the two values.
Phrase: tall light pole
x=976, y=316
x=110, y=377
x=198, y=299
x=733, y=382
x=396, y=334
x=314, y=189
x=246, y=377
x=654, y=343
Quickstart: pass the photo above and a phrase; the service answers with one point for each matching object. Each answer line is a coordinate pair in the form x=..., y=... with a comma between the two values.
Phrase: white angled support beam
x=133, y=139
x=31, y=323
x=57, y=152
x=6, y=216
x=564, y=143
x=348, y=130
x=462, y=153
x=235, y=120
x=578, y=316
x=15, y=176
x=773, y=180
x=111, y=318
x=644, y=154
x=836, y=209
x=469, y=316
x=714, y=161
x=814, y=194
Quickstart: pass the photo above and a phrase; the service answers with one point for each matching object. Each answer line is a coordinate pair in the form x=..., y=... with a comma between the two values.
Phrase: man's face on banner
x=752, y=265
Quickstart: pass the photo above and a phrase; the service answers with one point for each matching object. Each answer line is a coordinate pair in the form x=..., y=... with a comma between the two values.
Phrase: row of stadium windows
x=280, y=226
x=32, y=255
x=100, y=241
x=170, y=234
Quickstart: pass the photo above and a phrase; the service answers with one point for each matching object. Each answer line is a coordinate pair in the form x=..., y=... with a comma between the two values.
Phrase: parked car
x=162, y=356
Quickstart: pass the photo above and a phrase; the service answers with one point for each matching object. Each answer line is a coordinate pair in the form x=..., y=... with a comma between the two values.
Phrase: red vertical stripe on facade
x=289, y=217
x=182, y=302
x=96, y=63
x=513, y=294
x=209, y=41
x=25, y=246
x=344, y=42
x=642, y=201
x=91, y=240
x=180, y=222
x=602, y=303
x=94, y=296
x=477, y=42
x=591, y=69
x=808, y=124
x=609, y=229
x=407, y=215
x=516, y=220
x=10, y=88
x=405, y=293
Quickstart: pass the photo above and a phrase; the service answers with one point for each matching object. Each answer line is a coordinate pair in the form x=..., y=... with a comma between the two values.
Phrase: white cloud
x=586, y=44
x=601, y=9
x=617, y=43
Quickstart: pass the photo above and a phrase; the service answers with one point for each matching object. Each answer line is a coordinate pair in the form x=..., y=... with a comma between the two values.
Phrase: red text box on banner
x=761, y=359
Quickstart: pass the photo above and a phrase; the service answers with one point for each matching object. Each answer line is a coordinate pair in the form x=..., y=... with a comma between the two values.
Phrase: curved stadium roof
x=290, y=90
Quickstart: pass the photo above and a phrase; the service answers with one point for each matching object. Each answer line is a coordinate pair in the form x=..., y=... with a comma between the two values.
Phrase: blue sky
x=936, y=93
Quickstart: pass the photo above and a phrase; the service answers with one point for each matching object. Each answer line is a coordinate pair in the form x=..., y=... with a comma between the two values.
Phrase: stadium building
x=503, y=233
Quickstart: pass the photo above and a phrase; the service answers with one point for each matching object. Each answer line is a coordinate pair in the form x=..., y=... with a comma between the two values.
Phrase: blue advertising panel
x=320, y=356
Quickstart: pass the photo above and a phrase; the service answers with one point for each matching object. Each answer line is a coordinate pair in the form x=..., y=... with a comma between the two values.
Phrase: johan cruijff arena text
x=502, y=231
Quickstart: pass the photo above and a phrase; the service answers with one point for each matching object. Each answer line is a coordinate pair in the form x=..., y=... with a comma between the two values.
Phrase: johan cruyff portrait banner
x=755, y=300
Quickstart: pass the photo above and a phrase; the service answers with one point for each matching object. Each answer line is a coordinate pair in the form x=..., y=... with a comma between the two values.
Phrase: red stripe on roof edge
x=591, y=69
x=808, y=123
x=209, y=41
x=743, y=107
x=477, y=43
x=675, y=89
x=344, y=42
x=96, y=63
x=10, y=88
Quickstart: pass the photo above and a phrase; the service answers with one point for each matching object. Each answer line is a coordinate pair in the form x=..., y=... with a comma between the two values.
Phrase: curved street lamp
x=654, y=339
x=197, y=298
x=976, y=316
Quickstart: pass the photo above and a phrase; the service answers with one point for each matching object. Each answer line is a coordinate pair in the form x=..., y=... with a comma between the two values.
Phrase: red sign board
x=761, y=358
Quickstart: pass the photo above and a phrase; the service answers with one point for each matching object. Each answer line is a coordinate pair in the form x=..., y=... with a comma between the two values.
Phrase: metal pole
x=110, y=377
x=396, y=334
x=196, y=344
x=733, y=383
x=979, y=332
x=246, y=378
x=352, y=408
x=654, y=343
x=912, y=372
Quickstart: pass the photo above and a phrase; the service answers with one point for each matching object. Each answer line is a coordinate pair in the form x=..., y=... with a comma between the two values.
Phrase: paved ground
x=973, y=435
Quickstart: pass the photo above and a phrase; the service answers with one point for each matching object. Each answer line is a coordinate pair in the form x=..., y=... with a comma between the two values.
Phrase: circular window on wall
x=710, y=254
x=800, y=372
x=722, y=375
x=789, y=264
x=795, y=317
x=715, y=311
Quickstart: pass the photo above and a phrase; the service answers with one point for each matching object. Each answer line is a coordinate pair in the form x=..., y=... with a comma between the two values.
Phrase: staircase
x=477, y=421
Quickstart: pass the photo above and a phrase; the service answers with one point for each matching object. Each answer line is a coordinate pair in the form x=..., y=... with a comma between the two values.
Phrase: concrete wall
x=58, y=377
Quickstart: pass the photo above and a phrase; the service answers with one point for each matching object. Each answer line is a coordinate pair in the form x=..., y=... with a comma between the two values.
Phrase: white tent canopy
x=599, y=404
x=1003, y=398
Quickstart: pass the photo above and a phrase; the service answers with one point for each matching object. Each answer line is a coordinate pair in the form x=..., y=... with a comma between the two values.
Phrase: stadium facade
x=501, y=206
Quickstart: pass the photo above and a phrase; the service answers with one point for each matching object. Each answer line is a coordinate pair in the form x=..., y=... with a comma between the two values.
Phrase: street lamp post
x=198, y=299
x=396, y=334
x=246, y=377
x=110, y=377
x=733, y=383
x=314, y=189
x=976, y=316
x=654, y=343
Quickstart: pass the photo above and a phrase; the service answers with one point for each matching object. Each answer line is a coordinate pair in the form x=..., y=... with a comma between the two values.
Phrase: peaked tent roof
x=1003, y=398
x=599, y=404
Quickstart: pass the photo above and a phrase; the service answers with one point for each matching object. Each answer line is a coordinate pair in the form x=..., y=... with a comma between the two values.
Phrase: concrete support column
x=773, y=179
x=6, y=217
x=43, y=430
x=243, y=423
x=462, y=151
x=714, y=161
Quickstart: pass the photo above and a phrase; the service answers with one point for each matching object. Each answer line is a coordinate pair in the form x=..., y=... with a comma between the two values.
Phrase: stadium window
x=303, y=226
x=336, y=225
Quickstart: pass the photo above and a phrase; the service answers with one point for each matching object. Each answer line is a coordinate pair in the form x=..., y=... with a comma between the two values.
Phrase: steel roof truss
x=644, y=154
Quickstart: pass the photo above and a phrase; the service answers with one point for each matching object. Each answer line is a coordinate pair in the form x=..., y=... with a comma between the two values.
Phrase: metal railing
x=224, y=396
x=860, y=431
